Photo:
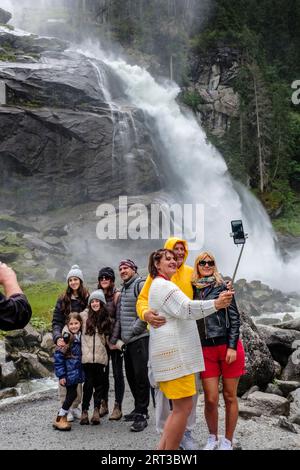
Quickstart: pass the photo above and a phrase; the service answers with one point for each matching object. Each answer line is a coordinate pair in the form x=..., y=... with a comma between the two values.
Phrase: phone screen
x=238, y=232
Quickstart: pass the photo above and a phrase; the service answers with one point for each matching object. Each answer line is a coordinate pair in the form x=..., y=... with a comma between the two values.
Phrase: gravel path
x=28, y=425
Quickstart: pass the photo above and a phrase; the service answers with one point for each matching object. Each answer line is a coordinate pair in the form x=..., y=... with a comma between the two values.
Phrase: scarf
x=204, y=282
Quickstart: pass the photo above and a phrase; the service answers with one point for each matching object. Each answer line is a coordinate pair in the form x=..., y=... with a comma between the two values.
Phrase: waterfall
x=204, y=179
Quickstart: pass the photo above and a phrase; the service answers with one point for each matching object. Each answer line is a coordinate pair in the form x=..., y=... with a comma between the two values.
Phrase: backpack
x=138, y=286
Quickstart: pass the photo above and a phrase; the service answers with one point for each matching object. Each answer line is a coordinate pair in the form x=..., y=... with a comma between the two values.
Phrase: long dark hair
x=65, y=298
x=68, y=347
x=100, y=321
x=110, y=290
x=155, y=257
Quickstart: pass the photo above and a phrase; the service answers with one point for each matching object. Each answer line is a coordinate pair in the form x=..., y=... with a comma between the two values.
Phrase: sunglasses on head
x=208, y=263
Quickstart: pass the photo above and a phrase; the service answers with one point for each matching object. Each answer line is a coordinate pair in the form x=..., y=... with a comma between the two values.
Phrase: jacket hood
x=171, y=242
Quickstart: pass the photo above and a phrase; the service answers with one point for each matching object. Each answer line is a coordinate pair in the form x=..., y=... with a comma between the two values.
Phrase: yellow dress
x=179, y=388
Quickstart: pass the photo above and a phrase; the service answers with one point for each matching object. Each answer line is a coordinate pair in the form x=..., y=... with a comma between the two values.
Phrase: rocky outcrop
x=212, y=75
x=280, y=342
x=61, y=136
x=260, y=367
x=5, y=16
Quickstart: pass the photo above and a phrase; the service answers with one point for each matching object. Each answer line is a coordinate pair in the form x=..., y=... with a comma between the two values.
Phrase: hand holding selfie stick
x=239, y=238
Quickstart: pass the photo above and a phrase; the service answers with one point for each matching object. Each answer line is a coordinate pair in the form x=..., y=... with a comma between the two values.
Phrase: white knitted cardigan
x=175, y=348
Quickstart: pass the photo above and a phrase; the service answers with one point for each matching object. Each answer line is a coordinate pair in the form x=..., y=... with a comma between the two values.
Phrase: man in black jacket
x=15, y=311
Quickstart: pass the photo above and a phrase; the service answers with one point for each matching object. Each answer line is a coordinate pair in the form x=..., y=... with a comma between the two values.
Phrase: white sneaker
x=70, y=417
x=225, y=444
x=188, y=442
x=212, y=443
x=76, y=412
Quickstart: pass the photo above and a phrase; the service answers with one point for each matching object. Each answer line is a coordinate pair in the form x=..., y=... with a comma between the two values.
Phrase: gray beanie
x=97, y=294
x=75, y=272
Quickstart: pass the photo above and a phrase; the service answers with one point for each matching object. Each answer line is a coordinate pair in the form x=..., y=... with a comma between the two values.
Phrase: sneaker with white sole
x=70, y=417
x=188, y=442
x=225, y=444
x=212, y=443
x=76, y=412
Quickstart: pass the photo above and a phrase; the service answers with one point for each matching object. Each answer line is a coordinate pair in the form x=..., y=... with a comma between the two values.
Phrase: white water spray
x=205, y=179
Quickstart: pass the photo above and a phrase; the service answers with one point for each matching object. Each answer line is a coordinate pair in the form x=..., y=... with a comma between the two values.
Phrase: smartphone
x=238, y=232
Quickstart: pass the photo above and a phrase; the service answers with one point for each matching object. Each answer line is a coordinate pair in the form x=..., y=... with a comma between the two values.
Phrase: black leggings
x=70, y=397
x=117, y=366
x=94, y=380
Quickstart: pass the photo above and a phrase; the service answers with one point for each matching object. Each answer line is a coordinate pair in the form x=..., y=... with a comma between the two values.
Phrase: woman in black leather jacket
x=223, y=351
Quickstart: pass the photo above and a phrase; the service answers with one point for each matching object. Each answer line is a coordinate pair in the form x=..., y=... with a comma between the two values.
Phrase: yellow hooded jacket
x=182, y=278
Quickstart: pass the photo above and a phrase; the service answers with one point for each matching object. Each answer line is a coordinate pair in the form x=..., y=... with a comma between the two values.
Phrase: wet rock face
x=5, y=16
x=62, y=143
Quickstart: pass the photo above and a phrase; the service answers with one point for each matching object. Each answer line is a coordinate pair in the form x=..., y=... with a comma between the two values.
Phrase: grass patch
x=289, y=224
x=42, y=298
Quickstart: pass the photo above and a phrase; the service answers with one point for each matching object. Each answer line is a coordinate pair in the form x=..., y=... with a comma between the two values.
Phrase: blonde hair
x=202, y=256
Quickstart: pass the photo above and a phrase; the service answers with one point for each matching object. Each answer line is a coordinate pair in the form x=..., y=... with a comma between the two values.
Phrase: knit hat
x=129, y=264
x=98, y=295
x=108, y=272
x=75, y=272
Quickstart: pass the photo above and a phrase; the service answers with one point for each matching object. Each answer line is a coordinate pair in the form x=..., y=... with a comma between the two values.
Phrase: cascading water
x=205, y=179
x=202, y=174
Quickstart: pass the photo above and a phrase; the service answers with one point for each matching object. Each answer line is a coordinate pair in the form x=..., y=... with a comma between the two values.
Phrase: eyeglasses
x=208, y=263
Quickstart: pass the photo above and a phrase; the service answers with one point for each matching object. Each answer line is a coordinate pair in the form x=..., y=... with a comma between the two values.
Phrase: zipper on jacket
x=94, y=341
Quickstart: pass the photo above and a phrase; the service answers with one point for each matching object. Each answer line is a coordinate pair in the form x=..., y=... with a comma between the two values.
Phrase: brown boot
x=84, y=418
x=103, y=408
x=62, y=424
x=116, y=413
x=96, y=417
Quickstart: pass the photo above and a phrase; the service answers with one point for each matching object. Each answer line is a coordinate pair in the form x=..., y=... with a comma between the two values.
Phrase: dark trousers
x=117, y=366
x=70, y=396
x=136, y=367
x=94, y=380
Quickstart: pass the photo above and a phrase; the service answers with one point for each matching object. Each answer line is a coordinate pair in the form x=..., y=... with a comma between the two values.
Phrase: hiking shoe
x=84, y=418
x=103, y=408
x=116, y=413
x=96, y=417
x=188, y=442
x=61, y=424
x=139, y=424
x=212, y=443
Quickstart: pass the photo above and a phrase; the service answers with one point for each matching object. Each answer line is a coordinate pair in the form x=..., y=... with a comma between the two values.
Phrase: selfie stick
x=239, y=259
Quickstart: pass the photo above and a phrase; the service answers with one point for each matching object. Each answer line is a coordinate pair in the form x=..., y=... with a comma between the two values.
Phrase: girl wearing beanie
x=106, y=282
x=96, y=330
x=74, y=299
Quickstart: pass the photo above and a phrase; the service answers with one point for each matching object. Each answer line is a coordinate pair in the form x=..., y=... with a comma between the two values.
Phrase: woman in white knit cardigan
x=175, y=349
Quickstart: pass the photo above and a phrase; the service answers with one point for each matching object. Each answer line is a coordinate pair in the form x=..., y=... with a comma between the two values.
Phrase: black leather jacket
x=223, y=326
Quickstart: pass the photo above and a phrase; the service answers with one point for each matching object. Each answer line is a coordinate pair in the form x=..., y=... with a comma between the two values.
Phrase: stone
x=9, y=375
x=47, y=343
x=269, y=404
x=32, y=337
x=5, y=16
x=287, y=386
x=273, y=388
x=8, y=393
x=280, y=342
x=260, y=368
x=284, y=423
x=253, y=389
x=292, y=369
x=248, y=412
x=287, y=317
x=278, y=370
x=290, y=325
x=30, y=367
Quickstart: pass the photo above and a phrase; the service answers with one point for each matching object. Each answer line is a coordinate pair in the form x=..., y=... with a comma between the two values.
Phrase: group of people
x=177, y=326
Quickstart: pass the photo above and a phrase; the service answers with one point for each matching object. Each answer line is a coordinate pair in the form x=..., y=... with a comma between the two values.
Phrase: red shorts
x=215, y=365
